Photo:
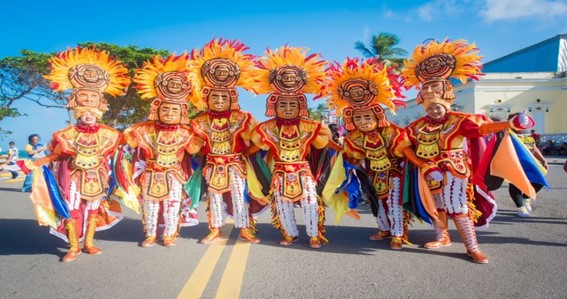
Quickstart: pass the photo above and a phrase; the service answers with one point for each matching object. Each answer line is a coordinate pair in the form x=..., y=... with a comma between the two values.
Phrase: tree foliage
x=383, y=47
x=21, y=79
x=318, y=113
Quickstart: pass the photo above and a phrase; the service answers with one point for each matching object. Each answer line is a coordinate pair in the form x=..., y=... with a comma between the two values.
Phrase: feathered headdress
x=289, y=71
x=222, y=65
x=360, y=85
x=436, y=61
x=167, y=80
x=87, y=69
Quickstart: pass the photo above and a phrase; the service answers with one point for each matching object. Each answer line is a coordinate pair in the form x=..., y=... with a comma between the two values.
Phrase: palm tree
x=318, y=113
x=383, y=47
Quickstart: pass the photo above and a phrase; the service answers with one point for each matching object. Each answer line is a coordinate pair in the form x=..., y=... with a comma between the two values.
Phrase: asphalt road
x=528, y=259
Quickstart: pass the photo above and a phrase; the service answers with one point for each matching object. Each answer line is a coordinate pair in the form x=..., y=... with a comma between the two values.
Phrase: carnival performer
x=447, y=139
x=223, y=133
x=288, y=73
x=81, y=152
x=523, y=201
x=161, y=144
x=357, y=90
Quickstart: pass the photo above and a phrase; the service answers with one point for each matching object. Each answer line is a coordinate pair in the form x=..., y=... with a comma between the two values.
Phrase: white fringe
x=151, y=210
x=239, y=204
x=216, y=209
x=395, y=209
x=382, y=218
x=171, y=208
x=455, y=194
x=285, y=210
x=310, y=206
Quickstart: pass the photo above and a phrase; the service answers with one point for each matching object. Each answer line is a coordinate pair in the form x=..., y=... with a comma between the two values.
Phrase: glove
x=435, y=175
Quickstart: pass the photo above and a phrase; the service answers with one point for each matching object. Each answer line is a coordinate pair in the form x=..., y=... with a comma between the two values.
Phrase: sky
x=498, y=27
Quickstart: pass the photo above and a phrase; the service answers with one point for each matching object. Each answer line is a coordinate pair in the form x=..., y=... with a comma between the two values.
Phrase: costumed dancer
x=357, y=90
x=73, y=200
x=223, y=133
x=448, y=140
x=288, y=73
x=522, y=201
x=161, y=144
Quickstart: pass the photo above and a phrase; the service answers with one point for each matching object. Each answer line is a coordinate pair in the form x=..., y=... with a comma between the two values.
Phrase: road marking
x=231, y=281
x=198, y=281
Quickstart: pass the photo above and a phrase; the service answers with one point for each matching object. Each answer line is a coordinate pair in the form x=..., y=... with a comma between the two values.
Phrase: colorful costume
x=81, y=152
x=161, y=144
x=290, y=137
x=449, y=141
x=357, y=90
x=223, y=133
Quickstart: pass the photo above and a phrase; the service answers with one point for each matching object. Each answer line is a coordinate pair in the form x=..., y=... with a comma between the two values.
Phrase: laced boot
x=442, y=238
x=149, y=241
x=314, y=242
x=287, y=239
x=246, y=234
x=169, y=241
x=381, y=235
x=213, y=235
x=73, y=236
x=465, y=227
x=89, y=236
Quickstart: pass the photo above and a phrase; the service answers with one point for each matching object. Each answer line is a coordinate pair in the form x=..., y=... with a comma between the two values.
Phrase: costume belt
x=218, y=166
x=92, y=182
x=292, y=187
x=454, y=160
x=158, y=187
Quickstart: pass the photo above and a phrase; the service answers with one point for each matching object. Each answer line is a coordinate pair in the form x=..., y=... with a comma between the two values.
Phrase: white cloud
x=497, y=10
x=439, y=8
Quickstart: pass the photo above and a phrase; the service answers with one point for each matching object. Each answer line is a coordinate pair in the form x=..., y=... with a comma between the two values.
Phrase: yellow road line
x=231, y=281
x=198, y=281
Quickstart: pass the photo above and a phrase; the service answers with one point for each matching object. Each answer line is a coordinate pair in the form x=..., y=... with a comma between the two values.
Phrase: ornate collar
x=287, y=122
x=438, y=121
x=217, y=114
x=165, y=127
x=82, y=128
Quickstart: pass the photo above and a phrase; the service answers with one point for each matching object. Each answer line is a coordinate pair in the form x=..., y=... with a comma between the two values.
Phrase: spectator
x=547, y=149
x=35, y=150
x=535, y=136
x=335, y=132
x=13, y=156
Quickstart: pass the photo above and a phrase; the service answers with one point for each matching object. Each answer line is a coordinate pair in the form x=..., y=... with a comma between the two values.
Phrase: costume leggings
x=170, y=211
x=310, y=207
x=518, y=197
x=240, y=209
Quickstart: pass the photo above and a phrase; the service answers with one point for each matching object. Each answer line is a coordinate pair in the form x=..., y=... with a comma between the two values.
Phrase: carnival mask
x=169, y=113
x=287, y=107
x=365, y=120
x=219, y=100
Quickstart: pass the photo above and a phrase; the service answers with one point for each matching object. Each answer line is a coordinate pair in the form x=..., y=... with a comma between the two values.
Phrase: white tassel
x=151, y=209
x=395, y=210
x=310, y=206
x=382, y=218
x=285, y=211
x=171, y=207
x=216, y=209
x=239, y=205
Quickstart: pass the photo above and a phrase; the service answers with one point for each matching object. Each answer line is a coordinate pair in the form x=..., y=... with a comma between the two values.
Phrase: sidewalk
x=555, y=160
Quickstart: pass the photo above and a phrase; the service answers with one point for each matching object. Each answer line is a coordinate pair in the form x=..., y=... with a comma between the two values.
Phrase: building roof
x=549, y=55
